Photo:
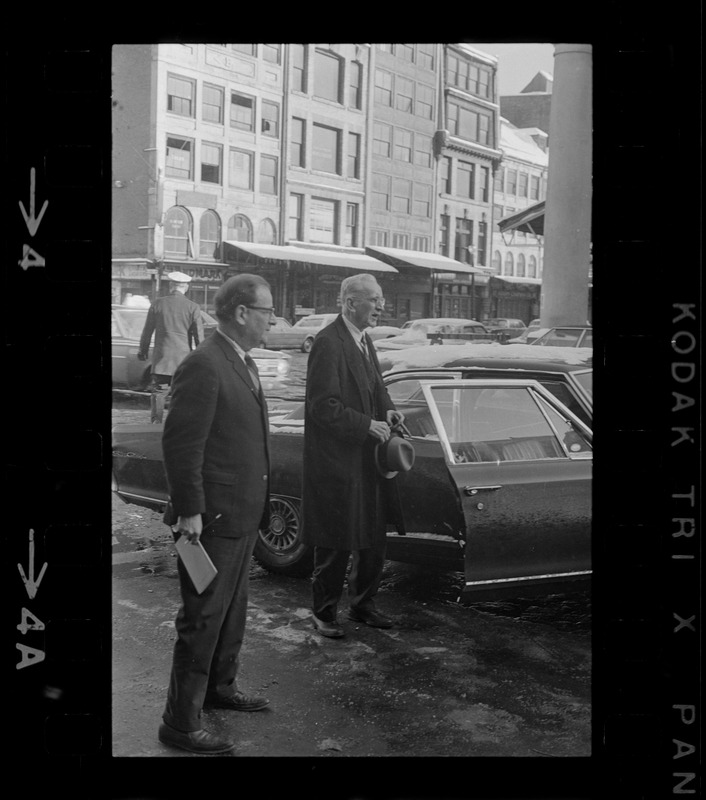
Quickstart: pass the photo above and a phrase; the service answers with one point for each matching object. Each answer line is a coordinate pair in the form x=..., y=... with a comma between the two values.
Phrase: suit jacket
x=175, y=321
x=345, y=503
x=216, y=441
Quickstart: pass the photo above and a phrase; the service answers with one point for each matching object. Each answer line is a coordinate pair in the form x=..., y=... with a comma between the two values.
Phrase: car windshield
x=311, y=322
x=585, y=379
x=133, y=321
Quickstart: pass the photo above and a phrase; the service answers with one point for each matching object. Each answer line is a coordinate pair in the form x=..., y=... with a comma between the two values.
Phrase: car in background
x=434, y=330
x=284, y=335
x=504, y=328
x=569, y=336
x=315, y=322
x=501, y=484
x=528, y=334
x=129, y=373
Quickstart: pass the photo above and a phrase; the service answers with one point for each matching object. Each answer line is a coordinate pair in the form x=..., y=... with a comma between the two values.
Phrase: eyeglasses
x=270, y=311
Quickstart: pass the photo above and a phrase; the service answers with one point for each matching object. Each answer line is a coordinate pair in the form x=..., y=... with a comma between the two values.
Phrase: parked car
x=282, y=335
x=128, y=372
x=315, y=322
x=504, y=328
x=528, y=334
x=501, y=484
x=570, y=336
x=434, y=331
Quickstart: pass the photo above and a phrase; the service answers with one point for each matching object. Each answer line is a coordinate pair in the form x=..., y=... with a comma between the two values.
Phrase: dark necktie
x=252, y=369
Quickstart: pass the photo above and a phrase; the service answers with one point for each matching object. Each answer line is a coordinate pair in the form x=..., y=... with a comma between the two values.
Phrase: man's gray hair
x=355, y=285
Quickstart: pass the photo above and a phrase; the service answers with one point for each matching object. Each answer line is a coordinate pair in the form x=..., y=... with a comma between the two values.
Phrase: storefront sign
x=134, y=271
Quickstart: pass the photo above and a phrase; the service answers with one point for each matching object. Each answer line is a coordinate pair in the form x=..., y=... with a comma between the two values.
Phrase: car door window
x=409, y=399
x=114, y=327
x=575, y=443
x=494, y=424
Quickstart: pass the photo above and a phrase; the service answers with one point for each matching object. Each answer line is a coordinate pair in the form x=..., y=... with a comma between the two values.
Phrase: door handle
x=471, y=490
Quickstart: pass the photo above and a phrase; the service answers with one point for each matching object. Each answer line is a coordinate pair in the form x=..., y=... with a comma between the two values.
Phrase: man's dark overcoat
x=340, y=480
x=175, y=321
x=216, y=441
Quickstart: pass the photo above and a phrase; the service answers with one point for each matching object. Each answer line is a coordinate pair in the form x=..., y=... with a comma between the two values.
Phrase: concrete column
x=567, y=221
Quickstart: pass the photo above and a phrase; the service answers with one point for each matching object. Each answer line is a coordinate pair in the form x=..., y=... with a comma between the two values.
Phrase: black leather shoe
x=194, y=741
x=331, y=629
x=237, y=702
x=372, y=618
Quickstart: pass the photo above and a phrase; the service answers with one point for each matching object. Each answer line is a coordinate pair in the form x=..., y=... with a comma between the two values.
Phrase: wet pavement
x=500, y=678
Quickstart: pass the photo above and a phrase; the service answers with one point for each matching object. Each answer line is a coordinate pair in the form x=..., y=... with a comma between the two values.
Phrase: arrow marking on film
x=31, y=221
x=31, y=584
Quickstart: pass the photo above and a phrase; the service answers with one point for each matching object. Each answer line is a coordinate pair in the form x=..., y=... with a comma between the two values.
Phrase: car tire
x=307, y=345
x=279, y=548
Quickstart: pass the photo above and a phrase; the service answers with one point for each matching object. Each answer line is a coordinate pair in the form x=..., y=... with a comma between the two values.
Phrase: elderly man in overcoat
x=177, y=326
x=346, y=503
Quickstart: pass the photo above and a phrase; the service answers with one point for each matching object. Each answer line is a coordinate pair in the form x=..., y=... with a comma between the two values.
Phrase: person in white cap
x=177, y=325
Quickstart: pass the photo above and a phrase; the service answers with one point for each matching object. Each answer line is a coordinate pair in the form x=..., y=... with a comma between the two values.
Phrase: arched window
x=266, y=232
x=532, y=267
x=509, y=261
x=209, y=234
x=521, y=265
x=497, y=262
x=239, y=228
x=178, y=232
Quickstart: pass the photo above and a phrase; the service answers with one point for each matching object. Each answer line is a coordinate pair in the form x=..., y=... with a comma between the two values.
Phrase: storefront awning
x=414, y=258
x=515, y=279
x=529, y=220
x=283, y=254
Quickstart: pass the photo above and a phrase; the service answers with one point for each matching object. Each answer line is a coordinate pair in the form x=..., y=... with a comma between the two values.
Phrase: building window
x=532, y=267
x=294, y=228
x=355, y=85
x=212, y=104
x=483, y=129
x=242, y=112
x=425, y=101
x=497, y=262
x=511, y=182
x=271, y=53
x=384, y=48
x=211, y=163
x=266, y=232
x=325, y=149
x=485, y=184
x=422, y=150
x=181, y=93
x=382, y=139
x=209, y=234
x=178, y=230
x=425, y=56
x=268, y=174
x=422, y=200
x=351, y=225
x=468, y=124
x=354, y=155
x=297, y=146
x=509, y=263
x=465, y=180
x=482, y=249
x=521, y=265
x=444, y=234
x=379, y=238
x=383, y=87
x=240, y=173
x=405, y=51
x=322, y=221
x=452, y=63
x=239, y=228
x=298, y=56
x=420, y=243
x=327, y=76
x=445, y=175
x=484, y=83
x=499, y=179
x=400, y=240
x=523, y=184
x=534, y=187
x=270, y=119
x=246, y=49
x=401, y=195
x=404, y=94
x=403, y=145
x=464, y=239
x=499, y=215
x=381, y=192
x=179, y=163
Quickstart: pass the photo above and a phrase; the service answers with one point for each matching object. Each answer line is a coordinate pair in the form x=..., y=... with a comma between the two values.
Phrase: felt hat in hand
x=394, y=456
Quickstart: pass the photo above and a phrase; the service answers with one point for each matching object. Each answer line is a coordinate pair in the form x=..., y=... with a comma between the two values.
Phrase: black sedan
x=500, y=488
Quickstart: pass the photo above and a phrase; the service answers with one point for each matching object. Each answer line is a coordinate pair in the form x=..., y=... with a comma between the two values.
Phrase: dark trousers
x=330, y=573
x=210, y=628
x=159, y=389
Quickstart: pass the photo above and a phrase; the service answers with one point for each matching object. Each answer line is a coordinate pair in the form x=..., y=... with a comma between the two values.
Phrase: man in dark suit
x=175, y=322
x=216, y=457
x=345, y=502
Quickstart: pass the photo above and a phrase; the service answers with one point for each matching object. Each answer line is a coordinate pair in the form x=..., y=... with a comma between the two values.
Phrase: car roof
x=491, y=355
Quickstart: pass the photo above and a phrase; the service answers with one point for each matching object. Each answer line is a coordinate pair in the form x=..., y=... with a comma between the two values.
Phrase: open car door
x=521, y=464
